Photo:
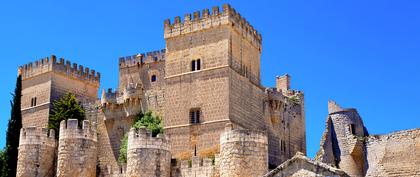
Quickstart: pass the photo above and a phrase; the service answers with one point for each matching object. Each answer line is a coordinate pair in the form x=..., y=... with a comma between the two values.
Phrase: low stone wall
x=206, y=167
x=77, y=151
x=36, y=152
x=147, y=155
x=243, y=153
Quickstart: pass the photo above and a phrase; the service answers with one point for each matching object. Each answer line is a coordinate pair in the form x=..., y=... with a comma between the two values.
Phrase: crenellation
x=140, y=59
x=229, y=16
x=70, y=129
x=49, y=64
x=36, y=135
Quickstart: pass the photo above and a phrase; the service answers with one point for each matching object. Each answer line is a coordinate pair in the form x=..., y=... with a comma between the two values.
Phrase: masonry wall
x=39, y=87
x=147, y=155
x=196, y=166
x=243, y=153
x=77, y=149
x=394, y=154
x=140, y=69
x=206, y=89
x=83, y=90
x=37, y=151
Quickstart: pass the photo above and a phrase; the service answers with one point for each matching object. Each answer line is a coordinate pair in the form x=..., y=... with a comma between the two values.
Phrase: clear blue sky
x=363, y=54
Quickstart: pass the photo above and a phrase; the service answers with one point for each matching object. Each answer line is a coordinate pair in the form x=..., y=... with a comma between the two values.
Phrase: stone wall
x=243, y=153
x=77, y=150
x=147, y=155
x=47, y=80
x=202, y=167
x=37, y=150
x=394, y=154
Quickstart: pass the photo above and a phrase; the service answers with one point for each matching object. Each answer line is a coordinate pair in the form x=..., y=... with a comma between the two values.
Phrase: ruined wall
x=347, y=133
x=147, y=155
x=394, y=154
x=37, y=150
x=243, y=153
x=203, y=167
x=77, y=150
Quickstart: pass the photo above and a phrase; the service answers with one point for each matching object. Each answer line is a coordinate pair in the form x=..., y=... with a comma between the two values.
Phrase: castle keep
x=218, y=118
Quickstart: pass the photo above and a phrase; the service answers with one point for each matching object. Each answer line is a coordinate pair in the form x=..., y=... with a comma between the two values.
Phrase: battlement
x=69, y=129
x=242, y=135
x=62, y=66
x=207, y=20
x=143, y=139
x=36, y=135
x=144, y=58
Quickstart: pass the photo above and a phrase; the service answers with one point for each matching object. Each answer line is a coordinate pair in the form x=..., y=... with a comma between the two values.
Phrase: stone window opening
x=352, y=129
x=153, y=78
x=33, y=101
x=196, y=65
x=195, y=116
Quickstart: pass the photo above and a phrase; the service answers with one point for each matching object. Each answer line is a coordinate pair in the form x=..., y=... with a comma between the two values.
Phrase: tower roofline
x=50, y=64
x=206, y=20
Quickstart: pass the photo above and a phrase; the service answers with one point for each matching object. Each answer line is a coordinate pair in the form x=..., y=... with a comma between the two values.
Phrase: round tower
x=77, y=154
x=147, y=155
x=348, y=134
x=243, y=153
x=36, y=152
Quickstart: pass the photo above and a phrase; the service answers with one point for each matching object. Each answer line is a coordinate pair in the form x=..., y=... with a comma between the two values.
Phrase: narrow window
x=35, y=101
x=198, y=65
x=153, y=79
x=352, y=129
x=195, y=116
x=155, y=58
x=32, y=102
x=193, y=65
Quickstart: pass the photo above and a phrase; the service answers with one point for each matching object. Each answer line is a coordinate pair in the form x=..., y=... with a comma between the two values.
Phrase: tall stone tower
x=46, y=80
x=212, y=78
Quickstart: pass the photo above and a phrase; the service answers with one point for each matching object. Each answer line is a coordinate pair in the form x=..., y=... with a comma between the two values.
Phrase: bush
x=67, y=107
x=151, y=121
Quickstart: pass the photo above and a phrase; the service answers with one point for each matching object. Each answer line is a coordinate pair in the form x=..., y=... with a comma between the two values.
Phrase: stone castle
x=218, y=118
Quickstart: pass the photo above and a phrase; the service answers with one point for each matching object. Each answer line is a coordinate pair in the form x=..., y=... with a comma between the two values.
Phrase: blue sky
x=363, y=54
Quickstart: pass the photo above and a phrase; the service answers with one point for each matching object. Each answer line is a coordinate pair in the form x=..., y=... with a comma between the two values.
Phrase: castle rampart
x=140, y=59
x=147, y=155
x=198, y=22
x=243, y=153
x=37, y=149
x=77, y=150
x=62, y=66
x=196, y=166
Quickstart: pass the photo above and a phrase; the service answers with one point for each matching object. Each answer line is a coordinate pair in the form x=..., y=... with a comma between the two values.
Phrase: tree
x=152, y=122
x=13, y=132
x=67, y=107
x=2, y=162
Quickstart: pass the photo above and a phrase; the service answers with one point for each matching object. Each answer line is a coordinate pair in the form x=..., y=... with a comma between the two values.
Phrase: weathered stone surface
x=77, y=152
x=37, y=150
x=302, y=166
x=147, y=155
x=243, y=153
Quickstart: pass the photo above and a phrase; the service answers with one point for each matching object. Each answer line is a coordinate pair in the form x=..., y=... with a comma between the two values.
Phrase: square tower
x=46, y=80
x=212, y=77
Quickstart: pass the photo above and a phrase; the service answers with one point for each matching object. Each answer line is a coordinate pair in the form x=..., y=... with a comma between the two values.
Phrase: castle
x=218, y=118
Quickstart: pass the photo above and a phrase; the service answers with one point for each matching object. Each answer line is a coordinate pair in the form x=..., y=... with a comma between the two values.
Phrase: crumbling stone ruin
x=218, y=118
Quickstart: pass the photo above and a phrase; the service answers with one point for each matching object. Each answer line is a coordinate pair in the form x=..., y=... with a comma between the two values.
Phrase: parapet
x=36, y=135
x=141, y=59
x=238, y=135
x=64, y=67
x=143, y=139
x=207, y=20
x=205, y=167
x=69, y=129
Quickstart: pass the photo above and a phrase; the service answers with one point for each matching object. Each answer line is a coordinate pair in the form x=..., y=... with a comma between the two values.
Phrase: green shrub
x=67, y=107
x=151, y=121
